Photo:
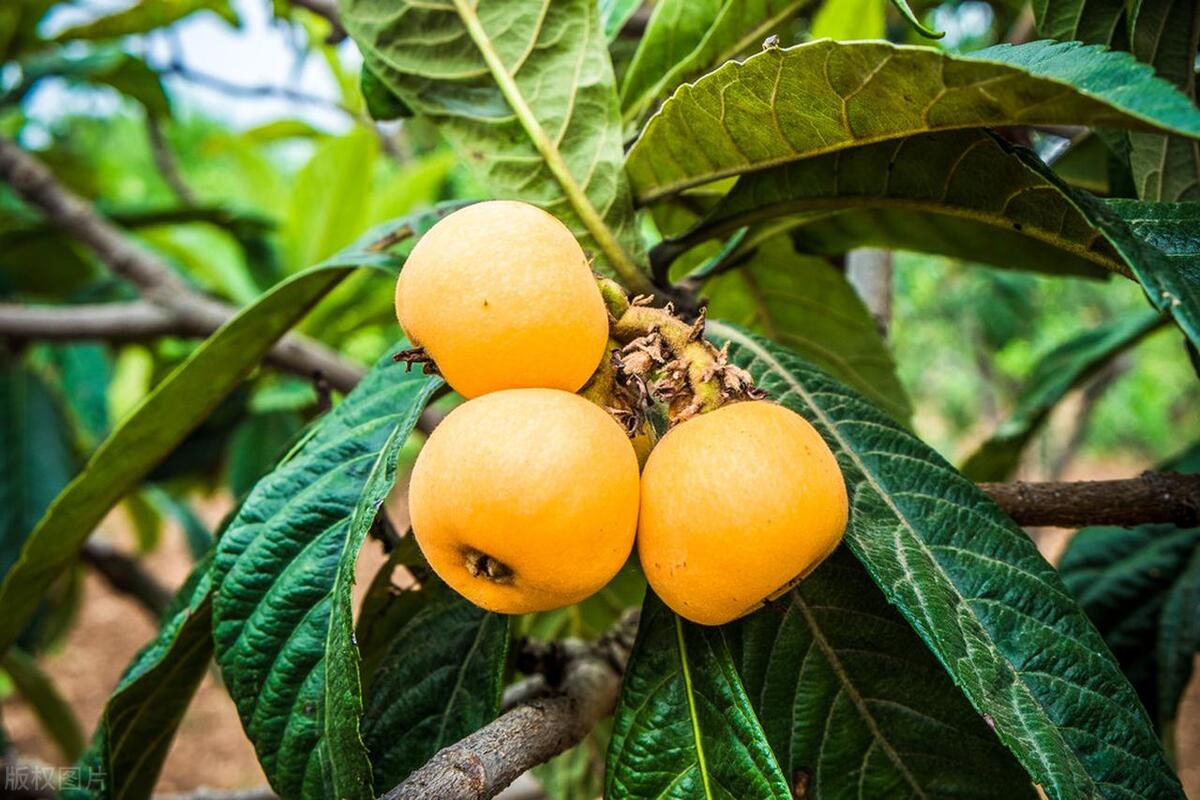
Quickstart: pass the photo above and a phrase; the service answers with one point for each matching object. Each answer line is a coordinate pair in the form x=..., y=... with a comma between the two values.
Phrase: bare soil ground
x=210, y=748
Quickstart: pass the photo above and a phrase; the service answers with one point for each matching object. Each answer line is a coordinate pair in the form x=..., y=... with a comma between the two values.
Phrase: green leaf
x=978, y=593
x=43, y=698
x=1178, y=638
x=179, y=403
x=1164, y=253
x=144, y=711
x=145, y=16
x=1165, y=35
x=525, y=92
x=960, y=193
x=195, y=531
x=62, y=268
x=684, y=726
x=782, y=105
x=439, y=679
x=283, y=571
x=1054, y=375
x=675, y=29
x=1035, y=220
x=329, y=203
x=382, y=105
x=36, y=459
x=808, y=305
x=1090, y=21
x=1122, y=579
x=614, y=14
x=855, y=706
x=686, y=38
x=84, y=371
x=849, y=19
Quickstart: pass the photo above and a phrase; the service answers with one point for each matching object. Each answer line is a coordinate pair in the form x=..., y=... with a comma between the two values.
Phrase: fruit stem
x=674, y=359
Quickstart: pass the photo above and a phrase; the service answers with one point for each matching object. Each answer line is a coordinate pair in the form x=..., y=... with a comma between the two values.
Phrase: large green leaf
x=144, y=711
x=44, y=700
x=855, y=706
x=782, y=105
x=686, y=38
x=163, y=419
x=1165, y=35
x=525, y=92
x=808, y=305
x=684, y=726
x=1122, y=578
x=1035, y=221
x=283, y=572
x=1058, y=372
x=439, y=679
x=978, y=593
x=959, y=193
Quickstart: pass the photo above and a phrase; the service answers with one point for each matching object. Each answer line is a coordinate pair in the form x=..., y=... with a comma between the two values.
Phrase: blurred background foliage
x=232, y=138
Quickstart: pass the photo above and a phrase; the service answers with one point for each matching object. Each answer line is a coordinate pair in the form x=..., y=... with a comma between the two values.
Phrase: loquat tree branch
x=1150, y=497
x=112, y=322
x=192, y=311
x=532, y=732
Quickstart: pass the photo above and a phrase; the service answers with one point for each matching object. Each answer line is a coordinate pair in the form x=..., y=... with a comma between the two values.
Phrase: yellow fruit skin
x=736, y=505
x=501, y=296
x=540, y=480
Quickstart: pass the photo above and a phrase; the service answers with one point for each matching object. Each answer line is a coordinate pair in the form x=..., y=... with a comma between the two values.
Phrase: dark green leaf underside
x=853, y=703
x=439, y=680
x=1122, y=579
x=283, y=594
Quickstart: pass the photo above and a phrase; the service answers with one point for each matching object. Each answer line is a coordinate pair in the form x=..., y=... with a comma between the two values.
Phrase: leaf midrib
x=870, y=478
x=685, y=671
x=633, y=277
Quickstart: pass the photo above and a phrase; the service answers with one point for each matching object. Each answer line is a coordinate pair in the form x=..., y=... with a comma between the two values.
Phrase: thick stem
x=1150, y=497
x=487, y=761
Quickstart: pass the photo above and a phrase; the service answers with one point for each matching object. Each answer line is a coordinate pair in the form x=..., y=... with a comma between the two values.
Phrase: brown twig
x=164, y=160
x=111, y=322
x=1150, y=497
x=328, y=10
x=126, y=576
x=485, y=762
